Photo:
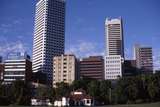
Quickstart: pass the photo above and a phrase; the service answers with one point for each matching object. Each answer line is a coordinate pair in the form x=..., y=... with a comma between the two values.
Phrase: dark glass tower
x=49, y=34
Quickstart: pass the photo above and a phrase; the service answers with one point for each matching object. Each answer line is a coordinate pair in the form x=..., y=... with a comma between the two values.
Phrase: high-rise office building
x=114, y=56
x=143, y=57
x=114, y=37
x=49, y=34
x=64, y=69
x=17, y=67
x=92, y=67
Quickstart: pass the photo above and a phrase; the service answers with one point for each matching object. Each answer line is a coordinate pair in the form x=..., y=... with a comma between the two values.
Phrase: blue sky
x=84, y=25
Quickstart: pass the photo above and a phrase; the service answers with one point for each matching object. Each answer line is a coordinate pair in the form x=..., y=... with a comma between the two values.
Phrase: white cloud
x=86, y=46
x=17, y=22
x=127, y=53
x=4, y=28
x=84, y=49
x=9, y=26
x=156, y=60
x=7, y=47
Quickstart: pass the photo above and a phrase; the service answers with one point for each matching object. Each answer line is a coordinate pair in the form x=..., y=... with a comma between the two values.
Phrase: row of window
x=112, y=72
x=110, y=77
x=113, y=61
x=112, y=65
x=113, y=57
x=113, y=69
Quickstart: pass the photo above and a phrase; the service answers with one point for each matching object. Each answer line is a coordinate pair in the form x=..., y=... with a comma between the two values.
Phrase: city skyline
x=84, y=27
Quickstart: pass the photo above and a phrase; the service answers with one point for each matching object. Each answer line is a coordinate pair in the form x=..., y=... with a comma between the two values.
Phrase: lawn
x=136, y=105
x=131, y=105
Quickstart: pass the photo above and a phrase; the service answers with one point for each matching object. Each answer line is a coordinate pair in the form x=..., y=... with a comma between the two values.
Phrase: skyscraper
x=114, y=48
x=143, y=57
x=49, y=34
x=114, y=37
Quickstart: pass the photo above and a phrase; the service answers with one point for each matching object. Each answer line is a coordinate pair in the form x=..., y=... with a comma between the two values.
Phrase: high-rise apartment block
x=143, y=57
x=114, y=56
x=17, y=67
x=49, y=34
x=92, y=67
x=64, y=69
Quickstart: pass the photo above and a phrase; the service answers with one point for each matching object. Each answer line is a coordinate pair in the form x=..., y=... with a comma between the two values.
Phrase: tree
x=132, y=92
x=105, y=91
x=20, y=93
x=152, y=88
x=82, y=83
x=93, y=89
x=42, y=92
x=120, y=95
x=2, y=90
x=62, y=89
x=3, y=97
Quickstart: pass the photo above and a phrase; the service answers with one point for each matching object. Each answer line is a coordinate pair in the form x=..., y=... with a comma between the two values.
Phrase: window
x=87, y=101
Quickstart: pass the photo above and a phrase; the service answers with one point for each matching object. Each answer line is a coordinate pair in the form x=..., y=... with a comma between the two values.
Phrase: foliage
x=137, y=89
x=17, y=93
x=93, y=88
x=62, y=89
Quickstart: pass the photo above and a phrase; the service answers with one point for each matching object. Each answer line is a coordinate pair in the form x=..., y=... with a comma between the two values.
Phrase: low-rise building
x=17, y=66
x=1, y=71
x=113, y=67
x=39, y=77
x=64, y=69
x=92, y=67
x=130, y=68
x=62, y=102
x=1, y=59
x=40, y=102
x=76, y=98
x=81, y=98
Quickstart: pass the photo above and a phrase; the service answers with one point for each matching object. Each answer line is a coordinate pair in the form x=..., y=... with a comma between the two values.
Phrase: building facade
x=114, y=56
x=143, y=57
x=113, y=67
x=64, y=69
x=92, y=67
x=49, y=34
x=17, y=67
x=130, y=68
x=1, y=59
x=1, y=71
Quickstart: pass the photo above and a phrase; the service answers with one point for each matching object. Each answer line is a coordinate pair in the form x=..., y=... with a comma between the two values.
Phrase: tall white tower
x=49, y=34
x=114, y=48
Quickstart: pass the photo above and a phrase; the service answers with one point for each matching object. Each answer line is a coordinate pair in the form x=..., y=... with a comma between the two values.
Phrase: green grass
x=136, y=105
x=130, y=105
